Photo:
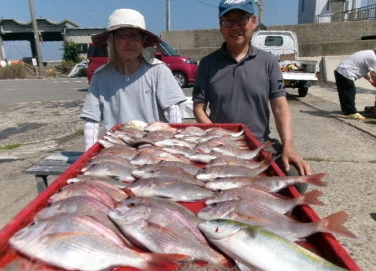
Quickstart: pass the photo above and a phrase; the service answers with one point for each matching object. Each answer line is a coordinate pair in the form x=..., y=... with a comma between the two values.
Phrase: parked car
x=183, y=68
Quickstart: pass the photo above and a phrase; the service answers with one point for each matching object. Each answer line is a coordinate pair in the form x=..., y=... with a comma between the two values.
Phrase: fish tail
x=164, y=262
x=266, y=162
x=334, y=224
x=266, y=144
x=311, y=198
x=314, y=179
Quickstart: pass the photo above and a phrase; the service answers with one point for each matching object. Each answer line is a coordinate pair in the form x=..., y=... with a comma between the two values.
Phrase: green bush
x=72, y=52
x=18, y=70
x=65, y=66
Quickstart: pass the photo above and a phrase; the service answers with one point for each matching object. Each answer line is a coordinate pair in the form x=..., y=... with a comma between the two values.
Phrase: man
x=133, y=85
x=238, y=81
x=358, y=65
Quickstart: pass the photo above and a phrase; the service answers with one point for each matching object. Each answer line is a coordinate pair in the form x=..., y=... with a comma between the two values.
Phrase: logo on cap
x=230, y=2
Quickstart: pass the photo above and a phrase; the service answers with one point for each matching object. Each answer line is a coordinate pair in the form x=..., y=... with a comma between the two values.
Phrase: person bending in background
x=358, y=65
x=133, y=85
x=238, y=81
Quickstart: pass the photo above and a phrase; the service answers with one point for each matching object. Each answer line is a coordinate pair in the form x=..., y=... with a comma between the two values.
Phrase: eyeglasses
x=129, y=36
x=230, y=23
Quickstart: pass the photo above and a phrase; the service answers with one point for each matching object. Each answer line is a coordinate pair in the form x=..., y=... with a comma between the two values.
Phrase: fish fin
x=243, y=267
x=151, y=225
x=311, y=198
x=164, y=262
x=266, y=144
x=256, y=219
x=314, y=179
x=334, y=224
x=129, y=192
x=259, y=187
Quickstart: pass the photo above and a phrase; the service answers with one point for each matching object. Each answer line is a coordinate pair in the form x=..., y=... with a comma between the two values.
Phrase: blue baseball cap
x=227, y=5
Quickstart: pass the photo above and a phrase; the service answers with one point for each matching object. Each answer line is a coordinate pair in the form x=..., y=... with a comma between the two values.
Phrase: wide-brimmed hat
x=227, y=5
x=129, y=18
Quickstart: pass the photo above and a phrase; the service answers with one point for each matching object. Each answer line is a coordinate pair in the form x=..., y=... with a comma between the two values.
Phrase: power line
x=204, y=3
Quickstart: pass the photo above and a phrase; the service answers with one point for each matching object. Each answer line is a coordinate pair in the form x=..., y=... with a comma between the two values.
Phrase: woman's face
x=128, y=43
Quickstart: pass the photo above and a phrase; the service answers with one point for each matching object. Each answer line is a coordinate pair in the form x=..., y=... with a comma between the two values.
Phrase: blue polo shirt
x=239, y=92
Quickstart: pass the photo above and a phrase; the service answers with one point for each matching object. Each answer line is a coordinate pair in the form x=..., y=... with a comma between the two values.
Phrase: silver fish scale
x=164, y=230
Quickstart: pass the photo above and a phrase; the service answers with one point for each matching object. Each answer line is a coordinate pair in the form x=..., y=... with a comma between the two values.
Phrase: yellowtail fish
x=252, y=247
x=252, y=213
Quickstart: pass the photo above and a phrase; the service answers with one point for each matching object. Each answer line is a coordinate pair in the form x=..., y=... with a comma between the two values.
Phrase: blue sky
x=184, y=15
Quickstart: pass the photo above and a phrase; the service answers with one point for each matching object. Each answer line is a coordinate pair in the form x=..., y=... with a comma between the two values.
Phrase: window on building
x=302, y=5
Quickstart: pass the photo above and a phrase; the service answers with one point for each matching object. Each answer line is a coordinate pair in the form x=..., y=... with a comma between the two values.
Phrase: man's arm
x=199, y=111
x=283, y=121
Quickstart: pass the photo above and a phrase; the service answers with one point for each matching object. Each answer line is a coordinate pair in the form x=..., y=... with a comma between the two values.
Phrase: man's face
x=237, y=27
x=128, y=43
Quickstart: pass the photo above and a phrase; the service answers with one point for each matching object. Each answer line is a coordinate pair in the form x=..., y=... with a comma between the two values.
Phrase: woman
x=133, y=85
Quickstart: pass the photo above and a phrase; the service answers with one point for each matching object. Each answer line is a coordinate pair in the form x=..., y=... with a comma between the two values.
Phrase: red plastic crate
x=324, y=244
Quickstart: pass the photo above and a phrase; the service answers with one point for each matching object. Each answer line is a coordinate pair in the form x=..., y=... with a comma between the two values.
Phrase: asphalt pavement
x=343, y=149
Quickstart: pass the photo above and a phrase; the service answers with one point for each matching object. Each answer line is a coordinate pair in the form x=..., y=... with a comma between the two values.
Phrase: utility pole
x=36, y=37
x=168, y=22
x=260, y=9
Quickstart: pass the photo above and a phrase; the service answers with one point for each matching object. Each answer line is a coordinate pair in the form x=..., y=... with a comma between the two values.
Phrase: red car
x=183, y=68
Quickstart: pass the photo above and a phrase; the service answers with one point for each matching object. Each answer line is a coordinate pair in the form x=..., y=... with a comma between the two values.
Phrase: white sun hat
x=126, y=18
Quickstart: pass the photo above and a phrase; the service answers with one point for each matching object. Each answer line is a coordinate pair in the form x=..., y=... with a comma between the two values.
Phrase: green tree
x=71, y=52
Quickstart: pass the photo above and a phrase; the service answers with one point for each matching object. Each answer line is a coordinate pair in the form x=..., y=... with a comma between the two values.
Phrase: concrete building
x=321, y=11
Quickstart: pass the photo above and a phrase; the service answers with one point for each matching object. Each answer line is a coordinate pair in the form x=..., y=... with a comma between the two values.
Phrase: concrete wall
x=329, y=63
x=334, y=41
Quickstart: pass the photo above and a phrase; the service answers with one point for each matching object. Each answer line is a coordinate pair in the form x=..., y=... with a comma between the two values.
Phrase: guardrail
x=358, y=14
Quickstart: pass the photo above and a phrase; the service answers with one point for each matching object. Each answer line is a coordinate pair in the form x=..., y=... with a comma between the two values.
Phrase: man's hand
x=289, y=155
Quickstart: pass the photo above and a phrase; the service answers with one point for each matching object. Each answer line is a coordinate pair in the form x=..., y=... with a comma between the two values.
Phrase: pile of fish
x=128, y=207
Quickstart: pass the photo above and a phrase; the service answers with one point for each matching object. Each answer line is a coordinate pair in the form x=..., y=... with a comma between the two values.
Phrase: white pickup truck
x=296, y=73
